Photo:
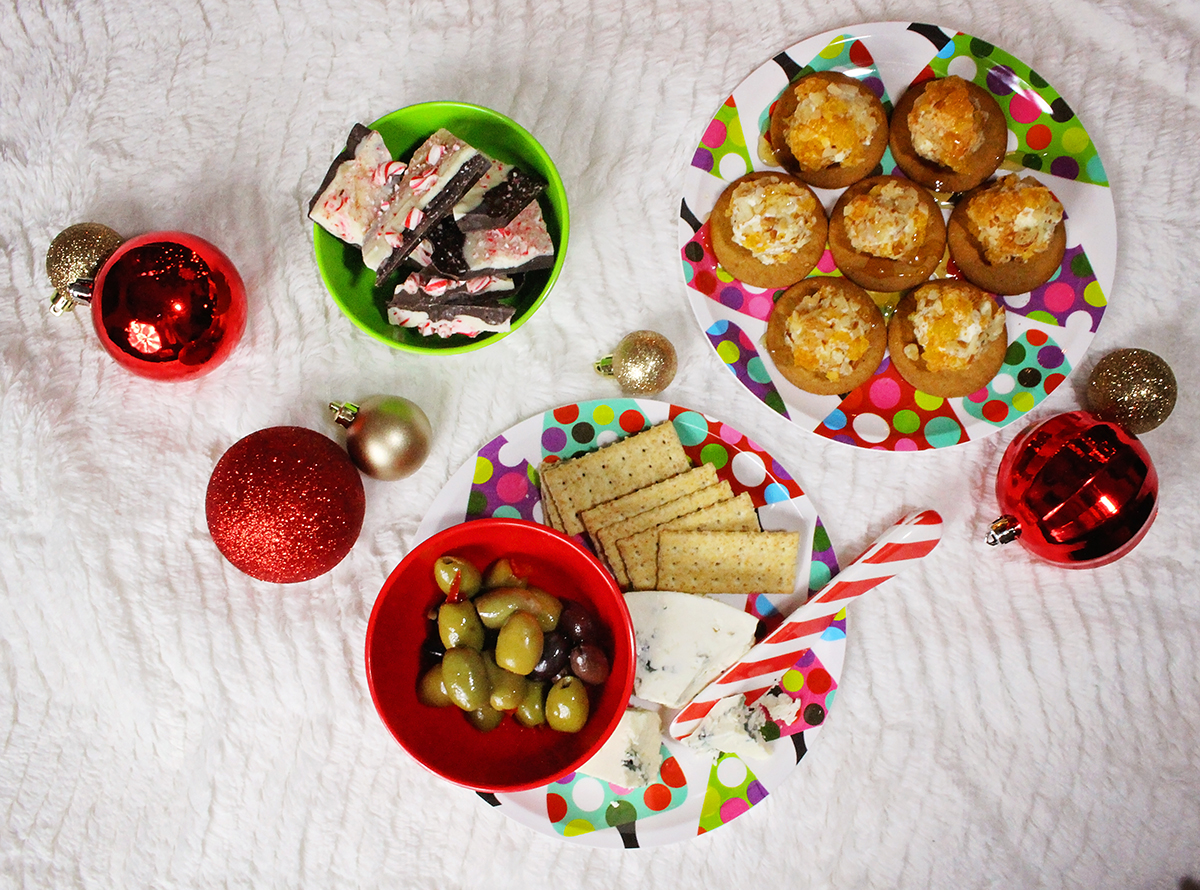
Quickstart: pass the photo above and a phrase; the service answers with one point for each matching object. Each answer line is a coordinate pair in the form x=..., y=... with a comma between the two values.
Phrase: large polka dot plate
x=693, y=794
x=1049, y=328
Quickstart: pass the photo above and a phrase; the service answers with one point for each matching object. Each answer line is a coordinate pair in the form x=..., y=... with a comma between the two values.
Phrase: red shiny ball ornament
x=1075, y=490
x=169, y=306
x=285, y=504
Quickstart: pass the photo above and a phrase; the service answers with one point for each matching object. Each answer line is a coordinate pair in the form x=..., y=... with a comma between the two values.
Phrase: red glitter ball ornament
x=168, y=305
x=285, y=504
x=1075, y=490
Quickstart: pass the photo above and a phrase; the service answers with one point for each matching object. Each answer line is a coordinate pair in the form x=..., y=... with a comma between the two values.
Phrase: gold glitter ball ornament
x=76, y=254
x=644, y=363
x=1132, y=387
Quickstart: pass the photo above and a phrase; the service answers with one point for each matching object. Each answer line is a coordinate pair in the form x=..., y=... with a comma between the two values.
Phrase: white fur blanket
x=166, y=721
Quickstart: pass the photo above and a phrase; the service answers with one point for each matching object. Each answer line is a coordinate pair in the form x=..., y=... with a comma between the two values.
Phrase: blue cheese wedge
x=733, y=727
x=632, y=756
x=684, y=642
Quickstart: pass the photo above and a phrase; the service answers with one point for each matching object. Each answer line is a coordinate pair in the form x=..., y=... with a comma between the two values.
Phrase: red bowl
x=511, y=757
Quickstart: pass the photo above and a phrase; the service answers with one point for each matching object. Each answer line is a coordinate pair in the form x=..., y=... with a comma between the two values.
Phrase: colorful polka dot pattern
x=722, y=148
x=1034, y=366
x=888, y=413
x=1074, y=293
x=503, y=486
x=810, y=684
x=737, y=351
x=577, y=804
x=1050, y=137
x=702, y=273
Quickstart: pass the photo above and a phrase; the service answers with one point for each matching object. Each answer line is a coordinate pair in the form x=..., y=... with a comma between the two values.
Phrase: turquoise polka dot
x=688, y=273
x=836, y=420
x=692, y=428
x=506, y=511
x=942, y=432
x=1095, y=170
x=829, y=697
x=818, y=575
x=775, y=493
x=948, y=51
x=764, y=606
x=718, y=328
x=757, y=371
x=833, y=633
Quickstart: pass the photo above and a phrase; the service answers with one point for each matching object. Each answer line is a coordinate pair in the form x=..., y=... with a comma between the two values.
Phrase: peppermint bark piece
x=357, y=182
x=521, y=246
x=499, y=195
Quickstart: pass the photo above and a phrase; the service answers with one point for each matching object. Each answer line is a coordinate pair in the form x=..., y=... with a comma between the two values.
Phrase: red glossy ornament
x=1075, y=490
x=285, y=504
x=169, y=306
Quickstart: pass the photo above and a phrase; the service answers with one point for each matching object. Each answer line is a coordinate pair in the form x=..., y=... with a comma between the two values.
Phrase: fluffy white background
x=166, y=721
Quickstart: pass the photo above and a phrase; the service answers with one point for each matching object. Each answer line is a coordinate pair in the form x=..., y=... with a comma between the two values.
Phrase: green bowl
x=352, y=285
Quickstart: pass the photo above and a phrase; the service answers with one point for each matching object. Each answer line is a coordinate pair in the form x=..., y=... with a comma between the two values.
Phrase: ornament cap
x=604, y=365
x=343, y=414
x=1004, y=530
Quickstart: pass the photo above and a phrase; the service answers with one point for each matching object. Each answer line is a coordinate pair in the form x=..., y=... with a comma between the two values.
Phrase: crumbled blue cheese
x=632, y=756
x=733, y=727
x=684, y=642
x=781, y=707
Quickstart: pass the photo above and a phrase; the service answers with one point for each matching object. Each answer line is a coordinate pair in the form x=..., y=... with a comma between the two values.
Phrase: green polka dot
x=907, y=422
x=576, y=827
x=1081, y=267
x=757, y=371
x=477, y=503
x=729, y=352
x=1015, y=354
x=1023, y=401
x=818, y=575
x=771, y=732
x=793, y=680
x=714, y=454
x=1093, y=294
x=926, y=402
x=981, y=48
x=941, y=432
x=832, y=51
x=774, y=401
x=483, y=470
x=821, y=541
x=620, y=812
x=531, y=474
x=603, y=414
x=722, y=275
x=1032, y=162
x=1075, y=140
x=1043, y=316
x=1037, y=81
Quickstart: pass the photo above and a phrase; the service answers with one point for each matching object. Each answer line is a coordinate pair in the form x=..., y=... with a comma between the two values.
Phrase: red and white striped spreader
x=906, y=542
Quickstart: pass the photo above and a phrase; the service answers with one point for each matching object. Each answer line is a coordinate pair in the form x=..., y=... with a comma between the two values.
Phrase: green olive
x=459, y=625
x=495, y=606
x=432, y=690
x=448, y=568
x=465, y=676
x=532, y=709
x=519, y=645
x=508, y=689
x=485, y=719
x=567, y=705
x=501, y=574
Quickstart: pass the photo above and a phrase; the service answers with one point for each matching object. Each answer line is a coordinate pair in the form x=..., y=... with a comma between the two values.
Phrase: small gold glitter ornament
x=644, y=363
x=76, y=255
x=1132, y=387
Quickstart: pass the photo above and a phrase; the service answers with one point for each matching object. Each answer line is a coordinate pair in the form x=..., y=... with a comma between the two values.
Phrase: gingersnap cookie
x=829, y=129
x=948, y=134
x=826, y=335
x=887, y=234
x=768, y=229
x=1008, y=236
x=948, y=337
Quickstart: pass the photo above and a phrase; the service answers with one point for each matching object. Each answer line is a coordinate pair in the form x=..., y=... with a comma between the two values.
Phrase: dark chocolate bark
x=503, y=201
x=357, y=134
x=447, y=239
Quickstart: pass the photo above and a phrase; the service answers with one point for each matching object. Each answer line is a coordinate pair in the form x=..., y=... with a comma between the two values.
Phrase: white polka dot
x=511, y=454
x=732, y=166
x=1017, y=301
x=748, y=469
x=751, y=289
x=871, y=427
x=963, y=66
x=1079, y=325
x=1003, y=383
x=1013, y=142
x=606, y=437
x=731, y=772
x=588, y=794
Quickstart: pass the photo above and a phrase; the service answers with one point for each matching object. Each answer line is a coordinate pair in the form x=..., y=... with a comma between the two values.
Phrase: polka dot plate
x=1049, y=328
x=693, y=794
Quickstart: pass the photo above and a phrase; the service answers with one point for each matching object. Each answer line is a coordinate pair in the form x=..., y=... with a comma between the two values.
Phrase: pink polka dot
x=904, y=445
x=885, y=393
x=733, y=808
x=1059, y=297
x=728, y=434
x=512, y=487
x=714, y=136
x=759, y=306
x=1023, y=109
x=980, y=395
x=826, y=263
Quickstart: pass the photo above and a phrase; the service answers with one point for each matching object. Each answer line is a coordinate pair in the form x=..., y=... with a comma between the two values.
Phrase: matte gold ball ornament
x=1133, y=388
x=644, y=363
x=388, y=437
x=76, y=255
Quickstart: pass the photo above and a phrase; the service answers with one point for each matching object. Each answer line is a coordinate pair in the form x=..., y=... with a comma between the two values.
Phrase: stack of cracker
x=660, y=524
